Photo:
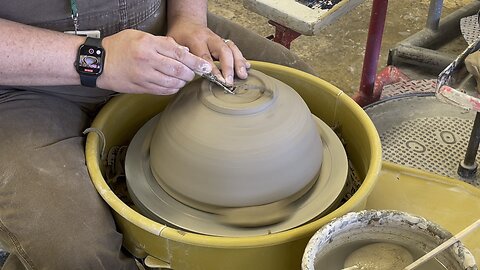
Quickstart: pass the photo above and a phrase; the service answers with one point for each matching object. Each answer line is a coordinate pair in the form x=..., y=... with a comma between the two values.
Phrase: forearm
x=193, y=10
x=35, y=56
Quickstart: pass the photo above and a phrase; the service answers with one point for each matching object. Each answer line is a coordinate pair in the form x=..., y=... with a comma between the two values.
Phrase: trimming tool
x=212, y=78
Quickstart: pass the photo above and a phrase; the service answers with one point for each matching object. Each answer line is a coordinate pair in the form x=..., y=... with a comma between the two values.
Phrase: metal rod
x=468, y=168
x=434, y=14
x=372, y=50
x=433, y=61
x=473, y=142
x=448, y=29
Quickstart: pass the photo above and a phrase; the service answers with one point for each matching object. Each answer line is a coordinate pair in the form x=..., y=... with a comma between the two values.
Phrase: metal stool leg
x=468, y=167
x=365, y=94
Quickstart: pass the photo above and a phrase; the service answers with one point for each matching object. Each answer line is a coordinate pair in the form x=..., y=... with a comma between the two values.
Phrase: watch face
x=90, y=60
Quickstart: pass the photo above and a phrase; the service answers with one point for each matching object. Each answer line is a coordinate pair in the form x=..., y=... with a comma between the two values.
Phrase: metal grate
x=353, y=183
x=434, y=144
x=470, y=29
x=414, y=86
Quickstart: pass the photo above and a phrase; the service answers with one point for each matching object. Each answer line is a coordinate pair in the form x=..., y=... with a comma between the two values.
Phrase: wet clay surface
x=379, y=256
x=253, y=148
x=337, y=53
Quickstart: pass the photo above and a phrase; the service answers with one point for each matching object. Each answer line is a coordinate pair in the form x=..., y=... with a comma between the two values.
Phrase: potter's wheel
x=158, y=205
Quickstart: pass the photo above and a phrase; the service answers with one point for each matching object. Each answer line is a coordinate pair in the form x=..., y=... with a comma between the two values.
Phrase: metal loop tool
x=212, y=78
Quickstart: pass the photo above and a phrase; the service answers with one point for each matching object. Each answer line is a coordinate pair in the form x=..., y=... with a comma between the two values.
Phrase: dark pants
x=51, y=216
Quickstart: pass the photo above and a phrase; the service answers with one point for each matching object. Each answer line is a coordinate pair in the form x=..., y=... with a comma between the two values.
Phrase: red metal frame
x=366, y=93
x=371, y=85
x=283, y=35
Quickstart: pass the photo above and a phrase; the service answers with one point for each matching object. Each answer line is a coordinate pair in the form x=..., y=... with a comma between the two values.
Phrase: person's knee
x=90, y=257
x=73, y=253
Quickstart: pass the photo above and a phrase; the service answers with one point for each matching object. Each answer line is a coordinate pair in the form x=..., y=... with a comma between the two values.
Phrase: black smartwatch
x=89, y=63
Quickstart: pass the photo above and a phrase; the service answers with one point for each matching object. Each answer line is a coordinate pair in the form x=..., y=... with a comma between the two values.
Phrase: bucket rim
x=92, y=151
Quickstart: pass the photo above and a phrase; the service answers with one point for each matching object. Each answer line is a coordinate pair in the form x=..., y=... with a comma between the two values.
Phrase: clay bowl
x=333, y=245
x=211, y=149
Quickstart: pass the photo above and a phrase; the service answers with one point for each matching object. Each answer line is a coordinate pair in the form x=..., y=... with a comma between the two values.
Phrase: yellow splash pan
x=120, y=119
x=450, y=203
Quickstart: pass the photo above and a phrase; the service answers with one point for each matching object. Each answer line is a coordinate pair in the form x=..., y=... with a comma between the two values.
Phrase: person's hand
x=138, y=62
x=472, y=63
x=203, y=42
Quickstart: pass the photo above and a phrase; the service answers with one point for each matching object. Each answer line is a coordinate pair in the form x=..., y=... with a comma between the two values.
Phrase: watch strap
x=90, y=80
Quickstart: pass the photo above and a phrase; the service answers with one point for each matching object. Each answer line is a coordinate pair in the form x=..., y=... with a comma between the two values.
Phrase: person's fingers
x=159, y=90
x=170, y=68
x=240, y=63
x=161, y=79
x=154, y=81
x=204, y=53
x=155, y=89
x=169, y=48
x=223, y=53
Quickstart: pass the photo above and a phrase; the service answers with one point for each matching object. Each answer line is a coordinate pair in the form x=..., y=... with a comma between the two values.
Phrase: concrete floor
x=337, y=53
